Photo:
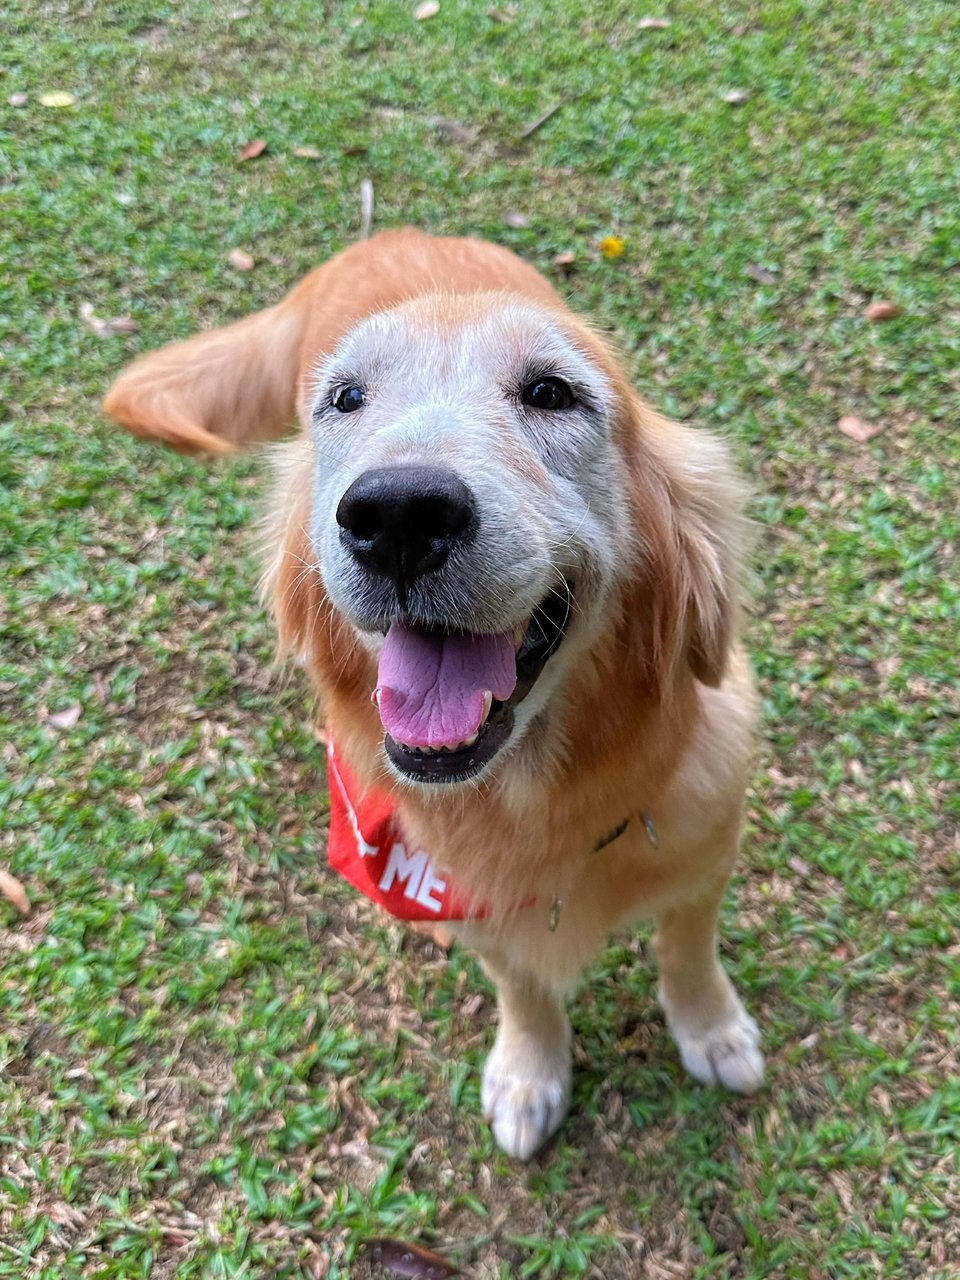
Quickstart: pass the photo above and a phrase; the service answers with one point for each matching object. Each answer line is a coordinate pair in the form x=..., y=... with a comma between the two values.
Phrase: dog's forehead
x=466, y=340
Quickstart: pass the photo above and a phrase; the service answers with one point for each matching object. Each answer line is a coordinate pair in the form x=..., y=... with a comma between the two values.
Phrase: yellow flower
x=612, y=246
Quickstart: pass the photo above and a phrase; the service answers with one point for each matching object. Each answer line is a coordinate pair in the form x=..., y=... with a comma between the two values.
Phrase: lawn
x=214, y=1060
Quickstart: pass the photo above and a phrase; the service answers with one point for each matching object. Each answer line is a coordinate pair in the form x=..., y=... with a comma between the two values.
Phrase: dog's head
x=469, y=516
x=484, y=503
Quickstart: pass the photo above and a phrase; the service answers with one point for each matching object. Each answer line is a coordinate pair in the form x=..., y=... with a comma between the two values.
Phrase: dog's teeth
x=444, y=750
x=487, y=704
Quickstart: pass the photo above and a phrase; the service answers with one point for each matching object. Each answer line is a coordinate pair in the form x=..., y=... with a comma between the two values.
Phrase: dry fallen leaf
x=465, y=134
x=881, y=311
x=252, y=149
x=429, y=9
x=410, y=1260
x=65, y=1215
x=57, y=98
x=366, y=208
x=14, y=892
x=565, y=259
x=516, y=219
x=653, y=24
x=858, y=429
x=760, y=274
x=240, y=260
x=856, y=771
x=501, y=15
x=106, y=328
x=736, y=96
x=66, y=718
x=307, y=153
x=18, y=99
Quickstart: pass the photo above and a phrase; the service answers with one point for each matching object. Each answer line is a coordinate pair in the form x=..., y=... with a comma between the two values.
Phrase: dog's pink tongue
x=430, y=687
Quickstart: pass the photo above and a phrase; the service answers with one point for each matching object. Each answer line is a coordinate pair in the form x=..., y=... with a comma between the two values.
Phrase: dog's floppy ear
x=219, y=390
x=692, y=533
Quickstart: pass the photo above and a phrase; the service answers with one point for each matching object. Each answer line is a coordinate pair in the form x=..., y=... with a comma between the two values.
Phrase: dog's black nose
x=402, y=522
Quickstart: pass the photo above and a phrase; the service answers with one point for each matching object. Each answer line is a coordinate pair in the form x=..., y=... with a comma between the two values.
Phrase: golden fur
x=655, y=721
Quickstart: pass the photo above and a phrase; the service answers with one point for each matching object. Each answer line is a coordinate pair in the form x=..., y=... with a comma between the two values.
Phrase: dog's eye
x=349, y=399
x=547, y=393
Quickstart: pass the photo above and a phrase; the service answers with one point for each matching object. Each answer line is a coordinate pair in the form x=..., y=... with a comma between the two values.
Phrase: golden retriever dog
x=515, y=589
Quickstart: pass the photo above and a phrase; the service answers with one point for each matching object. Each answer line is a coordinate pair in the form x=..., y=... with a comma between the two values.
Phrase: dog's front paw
x=526, y=1092
x=727, y=1053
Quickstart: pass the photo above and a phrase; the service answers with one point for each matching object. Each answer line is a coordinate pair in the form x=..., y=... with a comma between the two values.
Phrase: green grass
x=215, y=1061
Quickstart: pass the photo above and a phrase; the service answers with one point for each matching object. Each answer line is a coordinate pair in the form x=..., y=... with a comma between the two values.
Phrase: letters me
x=416, y=873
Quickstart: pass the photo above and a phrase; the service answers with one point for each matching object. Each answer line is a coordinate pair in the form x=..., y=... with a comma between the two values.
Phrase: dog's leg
x=719, y=1042
x=526, y=1081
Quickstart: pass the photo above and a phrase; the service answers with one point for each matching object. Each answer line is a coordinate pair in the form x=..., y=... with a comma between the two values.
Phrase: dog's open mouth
x=447, y=698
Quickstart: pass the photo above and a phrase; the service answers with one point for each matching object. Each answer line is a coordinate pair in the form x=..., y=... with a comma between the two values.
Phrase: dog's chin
x=545, y=633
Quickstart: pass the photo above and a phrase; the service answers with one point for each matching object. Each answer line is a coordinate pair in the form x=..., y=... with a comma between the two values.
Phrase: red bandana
x=367, y=848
